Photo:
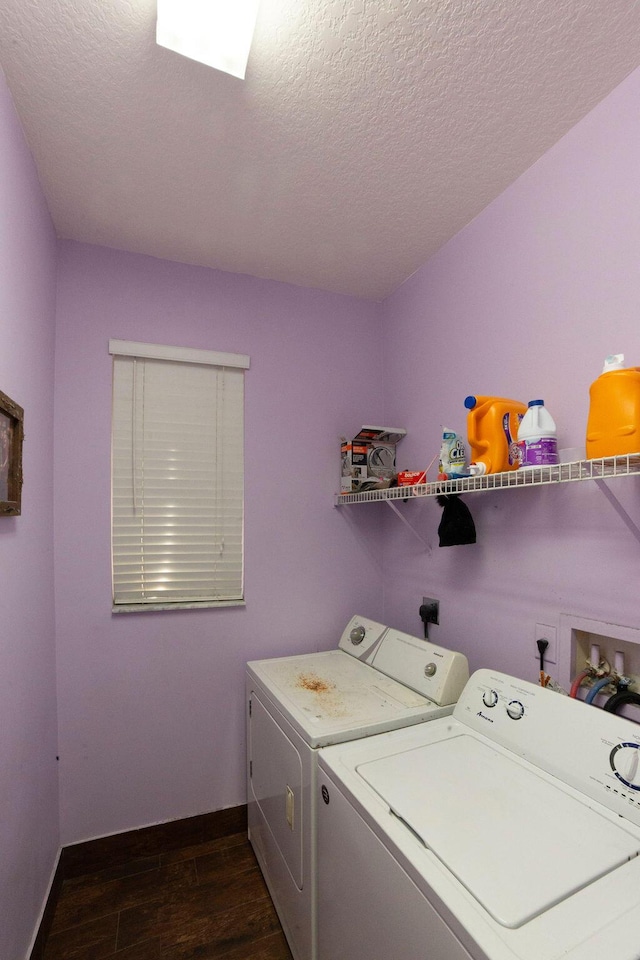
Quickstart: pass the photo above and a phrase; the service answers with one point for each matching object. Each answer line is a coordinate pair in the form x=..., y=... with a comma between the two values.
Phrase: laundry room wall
x=525, y=303
x=28, y=769
x=152, y=705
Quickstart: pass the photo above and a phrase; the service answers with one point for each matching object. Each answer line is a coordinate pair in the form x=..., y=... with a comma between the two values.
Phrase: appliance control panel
x=596, y=752
x=361, y=638
x=436, y=673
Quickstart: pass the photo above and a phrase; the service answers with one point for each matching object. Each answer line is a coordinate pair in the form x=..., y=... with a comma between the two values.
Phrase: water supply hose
x=596, y=688
x=575, y=686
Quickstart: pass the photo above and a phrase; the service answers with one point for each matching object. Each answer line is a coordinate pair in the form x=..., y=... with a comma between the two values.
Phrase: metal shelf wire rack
x=602, y=469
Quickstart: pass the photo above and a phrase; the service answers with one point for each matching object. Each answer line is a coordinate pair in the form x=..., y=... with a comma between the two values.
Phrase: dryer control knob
x=357, y=635
x=515, y=710
x=490, y=698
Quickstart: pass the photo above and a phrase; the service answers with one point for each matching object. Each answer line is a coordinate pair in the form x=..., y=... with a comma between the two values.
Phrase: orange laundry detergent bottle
x=613, y=425
x=492, y=430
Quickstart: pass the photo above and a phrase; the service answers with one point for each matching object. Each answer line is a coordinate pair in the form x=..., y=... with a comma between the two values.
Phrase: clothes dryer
x=377, y=679
x=508, y=831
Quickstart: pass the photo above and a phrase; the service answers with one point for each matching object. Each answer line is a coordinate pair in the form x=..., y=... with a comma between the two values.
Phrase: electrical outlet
x=432, y=610
x=545, y=632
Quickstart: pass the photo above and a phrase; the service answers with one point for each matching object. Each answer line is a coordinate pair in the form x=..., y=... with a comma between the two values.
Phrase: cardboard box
x=369, y=456
x=409, y=478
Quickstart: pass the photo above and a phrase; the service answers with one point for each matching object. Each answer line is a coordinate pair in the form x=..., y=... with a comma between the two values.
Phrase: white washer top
x=343, y=694
x=519, y=816
x=489, y=819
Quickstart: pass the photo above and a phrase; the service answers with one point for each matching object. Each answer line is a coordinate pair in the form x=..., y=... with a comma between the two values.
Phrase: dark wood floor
x=200, y=902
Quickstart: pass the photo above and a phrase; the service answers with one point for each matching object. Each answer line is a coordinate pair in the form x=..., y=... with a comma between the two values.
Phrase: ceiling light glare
x=217, y=33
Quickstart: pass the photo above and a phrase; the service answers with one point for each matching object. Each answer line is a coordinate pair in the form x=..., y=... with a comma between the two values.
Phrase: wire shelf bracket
x=620, y=510
x=410, y=526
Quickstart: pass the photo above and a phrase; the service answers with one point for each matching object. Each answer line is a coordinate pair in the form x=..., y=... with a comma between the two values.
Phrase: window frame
x=177, y=355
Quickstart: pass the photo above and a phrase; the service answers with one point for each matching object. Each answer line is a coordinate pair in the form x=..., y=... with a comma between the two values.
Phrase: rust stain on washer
x=310, y=681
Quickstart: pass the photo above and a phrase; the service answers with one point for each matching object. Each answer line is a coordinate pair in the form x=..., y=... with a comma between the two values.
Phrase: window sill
x=156, y=607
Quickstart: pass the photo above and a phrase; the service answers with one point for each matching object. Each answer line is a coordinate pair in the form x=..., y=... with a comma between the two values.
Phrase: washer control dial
x=357, y=635
x=430, y=670
x=625, y=763
x=490, y=698
x=515, y=710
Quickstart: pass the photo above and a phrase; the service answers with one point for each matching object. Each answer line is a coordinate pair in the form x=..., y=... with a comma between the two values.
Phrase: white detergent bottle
x=537, y=438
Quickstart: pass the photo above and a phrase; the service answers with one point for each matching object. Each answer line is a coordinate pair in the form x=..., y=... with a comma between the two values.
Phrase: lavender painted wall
x=525, y=302
x=151, y=705
x=28, y=773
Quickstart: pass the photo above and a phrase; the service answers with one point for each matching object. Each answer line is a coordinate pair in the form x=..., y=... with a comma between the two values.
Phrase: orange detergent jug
x=492, y=430
x=613, y=425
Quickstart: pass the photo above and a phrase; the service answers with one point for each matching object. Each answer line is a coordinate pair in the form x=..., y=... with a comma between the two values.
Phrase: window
x=177, y=477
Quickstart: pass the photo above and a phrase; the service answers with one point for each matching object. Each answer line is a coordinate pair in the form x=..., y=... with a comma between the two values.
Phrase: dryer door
x=276, y=787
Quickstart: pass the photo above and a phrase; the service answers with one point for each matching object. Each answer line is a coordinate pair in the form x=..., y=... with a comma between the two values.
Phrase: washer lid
x=518, y=843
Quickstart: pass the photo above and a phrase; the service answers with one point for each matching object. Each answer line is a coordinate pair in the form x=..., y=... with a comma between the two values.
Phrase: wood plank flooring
x=202, y=901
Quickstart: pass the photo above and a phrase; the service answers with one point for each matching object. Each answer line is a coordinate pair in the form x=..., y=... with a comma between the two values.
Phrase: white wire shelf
x=602, y=469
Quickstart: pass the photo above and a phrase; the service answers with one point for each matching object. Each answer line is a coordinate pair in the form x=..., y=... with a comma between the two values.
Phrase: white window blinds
x=177, y=476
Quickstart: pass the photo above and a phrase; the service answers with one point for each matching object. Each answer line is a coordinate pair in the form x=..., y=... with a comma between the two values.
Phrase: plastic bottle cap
x=536, y=403
x=470, y=402
x=615, y=361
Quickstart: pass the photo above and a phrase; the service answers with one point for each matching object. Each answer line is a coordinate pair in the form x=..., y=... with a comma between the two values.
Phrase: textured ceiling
x=366, y=133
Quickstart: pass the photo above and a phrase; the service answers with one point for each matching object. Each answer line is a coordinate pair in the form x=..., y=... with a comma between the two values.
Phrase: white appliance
x=508, y=831
x=377, y=679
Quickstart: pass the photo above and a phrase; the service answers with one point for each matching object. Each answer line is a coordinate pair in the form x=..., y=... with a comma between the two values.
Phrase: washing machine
x=507, y=831
x=376, y=679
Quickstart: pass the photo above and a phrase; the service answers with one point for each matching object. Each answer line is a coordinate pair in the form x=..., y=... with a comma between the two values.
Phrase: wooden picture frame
x=11, y=437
